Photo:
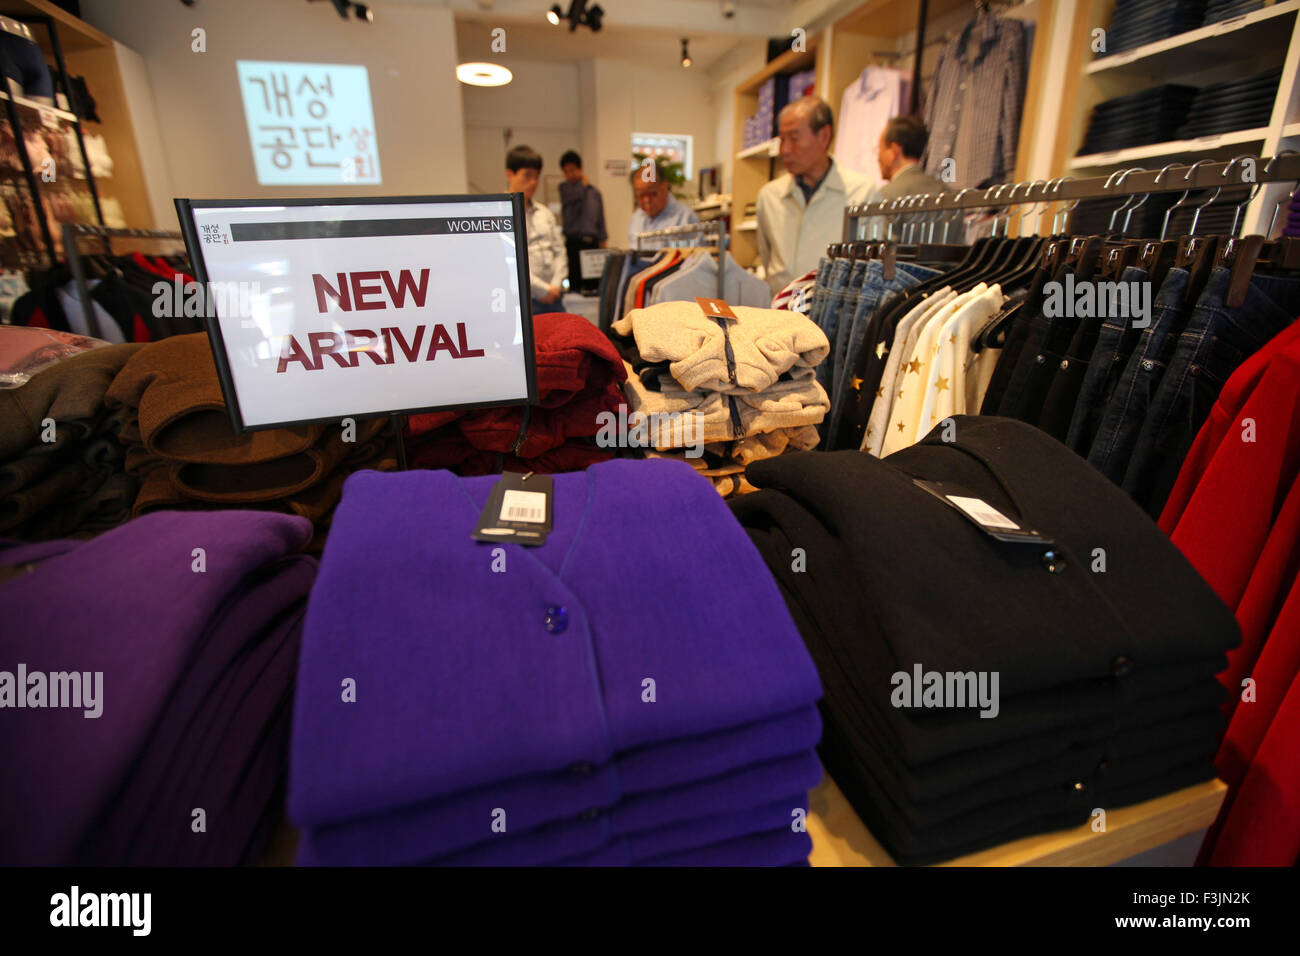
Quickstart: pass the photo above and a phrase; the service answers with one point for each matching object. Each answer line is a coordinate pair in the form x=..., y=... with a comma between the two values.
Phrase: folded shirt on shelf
x=1120, y=705
x=190, y=711
x=602, y=728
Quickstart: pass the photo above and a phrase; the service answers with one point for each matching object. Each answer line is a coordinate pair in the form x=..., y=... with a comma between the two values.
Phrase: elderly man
x=656, y=209
x=802, y=212
x=899, y=151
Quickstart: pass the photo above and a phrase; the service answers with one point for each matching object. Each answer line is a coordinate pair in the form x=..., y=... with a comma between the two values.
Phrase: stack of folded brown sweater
x=182, y=449
x=579, y=376
x=61, y=459
x=743, y=387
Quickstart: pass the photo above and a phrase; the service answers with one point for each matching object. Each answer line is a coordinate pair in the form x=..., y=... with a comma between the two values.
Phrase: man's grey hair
x=817, y=111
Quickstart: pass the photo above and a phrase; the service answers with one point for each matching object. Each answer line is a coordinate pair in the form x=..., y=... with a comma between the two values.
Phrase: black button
x=1102, y=769
x=1053, y=561
x=1121, y=667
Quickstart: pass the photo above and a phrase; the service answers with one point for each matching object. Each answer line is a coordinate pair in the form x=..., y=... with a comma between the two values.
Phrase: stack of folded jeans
x=847, y=295
x=1231, y=105
x=1217, y=10
x=980, y=689
x=1137, y=119
x=1136, y=23
x=160, y=736
x=542, y=705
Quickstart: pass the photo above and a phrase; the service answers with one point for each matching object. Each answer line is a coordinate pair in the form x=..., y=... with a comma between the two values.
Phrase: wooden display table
x=840, y=838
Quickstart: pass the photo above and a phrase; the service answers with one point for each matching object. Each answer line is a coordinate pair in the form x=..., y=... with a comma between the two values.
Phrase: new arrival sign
x=364, y=307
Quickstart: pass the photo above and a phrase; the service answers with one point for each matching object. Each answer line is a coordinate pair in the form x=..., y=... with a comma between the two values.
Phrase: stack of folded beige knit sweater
x=742, y=387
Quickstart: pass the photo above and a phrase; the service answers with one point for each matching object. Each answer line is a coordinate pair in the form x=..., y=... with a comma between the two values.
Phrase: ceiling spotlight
x=483, y=74
x=578, y=15
x=363, y=12
x=595, y=14
x=686, y=54
x=554, y=14
x=342, y=7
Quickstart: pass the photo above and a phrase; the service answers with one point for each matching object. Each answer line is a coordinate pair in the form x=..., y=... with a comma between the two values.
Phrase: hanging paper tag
x=982, y=514
x=518, y=509
x=716, y=309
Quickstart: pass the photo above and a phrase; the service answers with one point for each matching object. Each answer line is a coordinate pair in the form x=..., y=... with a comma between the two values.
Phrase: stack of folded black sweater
x=1103, y=640
x=1138, y=119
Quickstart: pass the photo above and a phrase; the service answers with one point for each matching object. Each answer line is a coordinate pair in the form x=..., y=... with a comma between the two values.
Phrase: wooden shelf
x=41, y=108
x=889, y=18
x=74, y=34
x=749, y=225
x=1173, y=148
x=840, y=838
x=761, y=151
x=1291, y=129
x=1254, y=38
x=787, y=62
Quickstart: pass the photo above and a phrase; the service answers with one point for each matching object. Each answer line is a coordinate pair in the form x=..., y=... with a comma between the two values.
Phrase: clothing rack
x=1174, y=177
x=74, y=231
x=699, y=228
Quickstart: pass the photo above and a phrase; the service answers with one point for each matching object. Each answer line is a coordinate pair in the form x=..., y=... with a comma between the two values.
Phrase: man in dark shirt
x=583, y=216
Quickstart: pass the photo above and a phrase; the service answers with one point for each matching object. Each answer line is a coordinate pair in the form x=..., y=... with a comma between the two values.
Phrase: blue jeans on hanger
x=1115, y=343
x=1122, y=420
x=1216, y=340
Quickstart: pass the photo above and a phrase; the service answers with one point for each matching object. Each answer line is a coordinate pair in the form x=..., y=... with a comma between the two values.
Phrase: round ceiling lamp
x=483, y=74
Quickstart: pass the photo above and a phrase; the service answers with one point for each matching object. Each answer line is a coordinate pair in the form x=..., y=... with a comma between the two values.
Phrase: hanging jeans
x=1217, y=339
x=1123, y=417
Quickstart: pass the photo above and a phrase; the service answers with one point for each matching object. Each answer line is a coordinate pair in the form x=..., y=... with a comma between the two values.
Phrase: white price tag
x=523, y=506
x=982, y=512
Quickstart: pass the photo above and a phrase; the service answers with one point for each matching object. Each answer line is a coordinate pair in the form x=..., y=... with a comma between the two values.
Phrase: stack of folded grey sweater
x=721, y=391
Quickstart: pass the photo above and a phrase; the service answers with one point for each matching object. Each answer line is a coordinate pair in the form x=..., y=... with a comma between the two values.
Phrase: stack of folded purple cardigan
x=633, y=691
x=146, y=688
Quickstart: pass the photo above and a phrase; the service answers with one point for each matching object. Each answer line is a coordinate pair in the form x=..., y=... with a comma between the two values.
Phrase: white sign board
x=364, y=307
x=309, y=123
x=591, y=262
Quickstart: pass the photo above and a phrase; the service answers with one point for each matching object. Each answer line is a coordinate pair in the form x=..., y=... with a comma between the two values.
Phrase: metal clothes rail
x=698, y=228
x=1173, y=177
x=72, y=232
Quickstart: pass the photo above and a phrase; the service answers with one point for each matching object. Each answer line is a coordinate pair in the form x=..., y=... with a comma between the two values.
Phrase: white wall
x=728, y=73
x=409, y=53
x=540, y=107
x=631, y=98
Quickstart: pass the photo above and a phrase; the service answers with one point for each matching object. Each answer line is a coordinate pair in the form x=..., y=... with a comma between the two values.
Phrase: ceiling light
x=595, y=14
x=342, y=7
x=554, y=14
x=363, y=12
x=483, y=74
x=686, y=54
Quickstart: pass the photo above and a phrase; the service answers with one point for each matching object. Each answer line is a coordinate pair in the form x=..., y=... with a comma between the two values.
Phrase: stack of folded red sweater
x=579, y=376
x=185, y=454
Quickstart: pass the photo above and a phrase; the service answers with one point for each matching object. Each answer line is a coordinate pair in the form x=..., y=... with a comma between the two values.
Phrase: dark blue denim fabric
x=1115, y=343
x=1122, y=420
x=1216, y=340
x=873, y=295
x=837, y=287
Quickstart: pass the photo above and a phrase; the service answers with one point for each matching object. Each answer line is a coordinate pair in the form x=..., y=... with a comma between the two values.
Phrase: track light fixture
x=579, y=15
x=360, y=10
x=686, y=53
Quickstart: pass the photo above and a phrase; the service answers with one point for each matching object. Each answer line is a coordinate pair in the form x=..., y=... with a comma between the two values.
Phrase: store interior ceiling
x=642, y=31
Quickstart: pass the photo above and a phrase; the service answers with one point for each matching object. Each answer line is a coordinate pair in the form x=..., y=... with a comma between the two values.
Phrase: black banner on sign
x=367, y=228
x=934, y=907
